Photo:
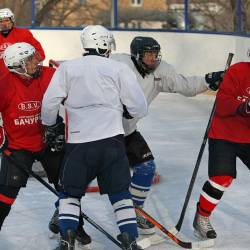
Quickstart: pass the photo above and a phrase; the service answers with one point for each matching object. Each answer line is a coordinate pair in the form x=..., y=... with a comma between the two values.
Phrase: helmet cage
x=150, y=68
x=139, y=46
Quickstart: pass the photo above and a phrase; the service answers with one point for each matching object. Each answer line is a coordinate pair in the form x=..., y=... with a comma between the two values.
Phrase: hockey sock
x=125, y=212
x=7, y=198
x=143, y=174
x=69, y=211
x=212, y=193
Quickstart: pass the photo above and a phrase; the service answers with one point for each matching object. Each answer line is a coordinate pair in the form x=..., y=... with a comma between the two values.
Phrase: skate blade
x=152, y=240
x=84, y=247
x=156, y=239
x=201, y=237
x=149, y=231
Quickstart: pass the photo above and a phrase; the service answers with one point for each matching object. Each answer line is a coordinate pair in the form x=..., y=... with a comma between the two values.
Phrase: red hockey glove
x=244, y=108
x=3, y=140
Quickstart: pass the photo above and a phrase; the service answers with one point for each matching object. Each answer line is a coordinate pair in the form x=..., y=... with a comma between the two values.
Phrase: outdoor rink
x=174, y=130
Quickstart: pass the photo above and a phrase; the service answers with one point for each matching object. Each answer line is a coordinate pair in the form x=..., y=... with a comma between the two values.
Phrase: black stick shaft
x=199, y=157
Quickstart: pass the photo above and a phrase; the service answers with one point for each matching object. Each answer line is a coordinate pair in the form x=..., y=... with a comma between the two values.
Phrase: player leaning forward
x=95, y=88
x=155, y=76
x=21, y=91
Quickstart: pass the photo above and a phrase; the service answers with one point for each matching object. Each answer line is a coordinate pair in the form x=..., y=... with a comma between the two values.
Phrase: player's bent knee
x=145, y=168
x=119, y=196
x=224, y=181
x=13, y=177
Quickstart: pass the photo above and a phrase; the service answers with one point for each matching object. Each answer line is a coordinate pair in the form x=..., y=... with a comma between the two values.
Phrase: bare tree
x=58, y=12
x=220, y=15
x=72, y=13
x=22, y=10
x=211, y=15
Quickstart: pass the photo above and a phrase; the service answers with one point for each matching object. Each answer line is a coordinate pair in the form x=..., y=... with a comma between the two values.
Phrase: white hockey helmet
x=16, y=55
x=7, y=13
x=98, y=38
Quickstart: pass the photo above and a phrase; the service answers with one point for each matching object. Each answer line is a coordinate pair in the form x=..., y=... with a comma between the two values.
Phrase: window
x=136, y=3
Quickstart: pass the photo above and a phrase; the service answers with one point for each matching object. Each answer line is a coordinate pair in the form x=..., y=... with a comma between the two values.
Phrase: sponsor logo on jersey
x=27, y=120
x=3, y=46
x=157, y=79
x=146, y=155
x=29, y=106
x=248, y=90
x=242, y=98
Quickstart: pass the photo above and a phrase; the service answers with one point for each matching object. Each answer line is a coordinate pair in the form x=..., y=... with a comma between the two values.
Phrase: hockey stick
x=188, y=245
x=43, y=182
x=177, y=228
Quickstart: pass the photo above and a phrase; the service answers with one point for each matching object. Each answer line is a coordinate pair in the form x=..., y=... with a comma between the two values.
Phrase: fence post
x=114, y=16
x=239, y=16
x=33, y=13
x=186, y=15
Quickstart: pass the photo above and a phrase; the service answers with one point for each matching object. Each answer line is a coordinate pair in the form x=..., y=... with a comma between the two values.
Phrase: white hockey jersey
x=94, y=89
x=163, y=79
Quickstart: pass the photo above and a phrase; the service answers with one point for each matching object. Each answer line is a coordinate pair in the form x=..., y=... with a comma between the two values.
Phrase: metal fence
x=220, y=16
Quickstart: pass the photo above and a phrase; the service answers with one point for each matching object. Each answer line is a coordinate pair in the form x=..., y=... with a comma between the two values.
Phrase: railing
x=221, y=16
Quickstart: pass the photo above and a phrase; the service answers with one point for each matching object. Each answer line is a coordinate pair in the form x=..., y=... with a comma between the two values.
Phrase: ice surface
x=174, y=130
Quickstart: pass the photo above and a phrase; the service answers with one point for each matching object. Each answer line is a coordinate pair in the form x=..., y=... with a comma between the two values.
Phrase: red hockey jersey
x=18, y=35
x=234, y=89
x=20, y=105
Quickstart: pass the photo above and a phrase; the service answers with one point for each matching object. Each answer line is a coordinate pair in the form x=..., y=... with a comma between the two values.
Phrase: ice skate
x=203, y=228
x=144, y=226
x=67, y=242
x=54, y=225
x=127, y=242
x=83, y=239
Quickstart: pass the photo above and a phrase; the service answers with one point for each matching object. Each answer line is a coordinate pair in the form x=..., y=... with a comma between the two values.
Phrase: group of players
x=104, y=96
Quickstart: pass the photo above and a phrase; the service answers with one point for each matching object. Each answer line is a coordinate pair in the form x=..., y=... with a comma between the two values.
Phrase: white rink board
x=190, y=53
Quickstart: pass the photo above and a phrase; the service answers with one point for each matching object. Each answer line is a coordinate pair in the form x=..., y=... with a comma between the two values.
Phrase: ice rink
x=174, y=129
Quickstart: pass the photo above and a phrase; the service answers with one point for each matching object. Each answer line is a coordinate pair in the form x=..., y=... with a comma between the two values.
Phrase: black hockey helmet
x=142, y=44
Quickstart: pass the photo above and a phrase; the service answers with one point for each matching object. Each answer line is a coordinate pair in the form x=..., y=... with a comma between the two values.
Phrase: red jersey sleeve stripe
x=6, y=200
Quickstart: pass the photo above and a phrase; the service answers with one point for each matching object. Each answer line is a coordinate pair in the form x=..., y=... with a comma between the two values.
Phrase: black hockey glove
x=214, y=79
x=3, y=140
x=126, y=113
x=54, y=136
x=244, y=108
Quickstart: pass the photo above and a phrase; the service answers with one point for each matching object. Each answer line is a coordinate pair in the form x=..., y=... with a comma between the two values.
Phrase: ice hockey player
x=154, y=76
x=21, y=91
x=228, y=140
x=96, y=88
x=9, y=34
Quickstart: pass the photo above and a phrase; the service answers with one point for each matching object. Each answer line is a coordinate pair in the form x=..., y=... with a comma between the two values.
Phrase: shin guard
x=125, y=212
x=141, y=181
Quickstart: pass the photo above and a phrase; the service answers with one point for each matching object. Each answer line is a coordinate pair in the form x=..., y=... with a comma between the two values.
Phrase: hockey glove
x=244, y=108
x=3, y=140
x=214, y=79
x=54, y=136
x=126, y=113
